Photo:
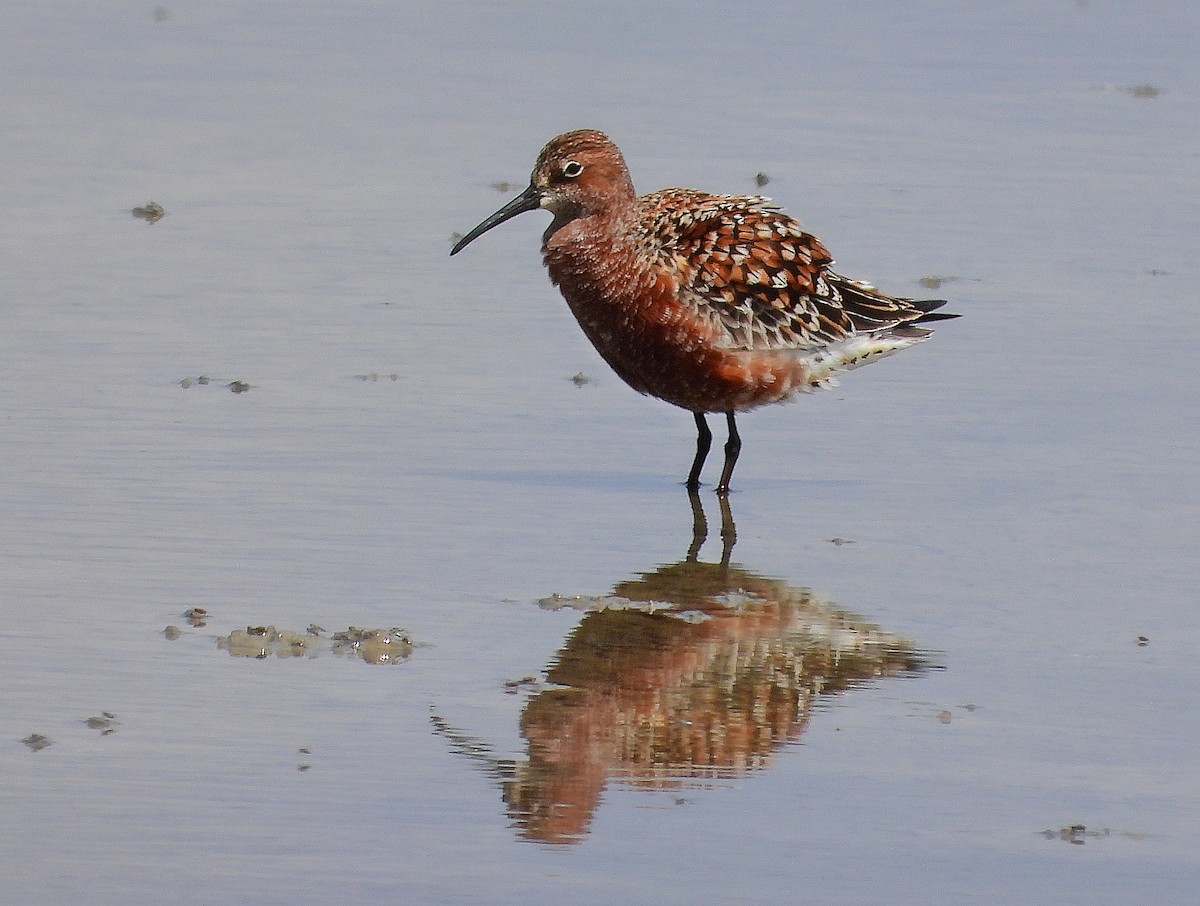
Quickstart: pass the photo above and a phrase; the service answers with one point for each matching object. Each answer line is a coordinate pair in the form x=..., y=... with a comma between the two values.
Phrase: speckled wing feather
x=753, y=269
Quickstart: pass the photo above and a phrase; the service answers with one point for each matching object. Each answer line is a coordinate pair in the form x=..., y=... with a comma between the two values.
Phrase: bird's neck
x=593, y=247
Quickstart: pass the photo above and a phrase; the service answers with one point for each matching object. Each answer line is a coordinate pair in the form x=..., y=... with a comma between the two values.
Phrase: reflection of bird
x=714, y=303
x=693, y=672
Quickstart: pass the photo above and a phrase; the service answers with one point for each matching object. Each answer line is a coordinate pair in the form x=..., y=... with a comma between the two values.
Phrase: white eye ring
x=571, y=169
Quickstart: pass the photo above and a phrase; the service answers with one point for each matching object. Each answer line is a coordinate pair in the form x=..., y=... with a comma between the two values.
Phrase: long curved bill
x=529, y=200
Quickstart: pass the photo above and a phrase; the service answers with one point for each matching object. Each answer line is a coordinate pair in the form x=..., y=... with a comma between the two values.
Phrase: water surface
x=1014, y=620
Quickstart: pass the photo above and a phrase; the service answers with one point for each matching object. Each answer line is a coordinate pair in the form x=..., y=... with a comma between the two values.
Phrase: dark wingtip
x=929, y=307
x=935, y=316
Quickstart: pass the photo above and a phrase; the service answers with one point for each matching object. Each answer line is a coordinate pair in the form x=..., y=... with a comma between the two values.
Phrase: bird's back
x=766, y=281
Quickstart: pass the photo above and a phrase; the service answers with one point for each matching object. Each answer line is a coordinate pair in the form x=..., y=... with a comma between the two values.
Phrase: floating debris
x=503, y=186
x=196, y=616
x=579, y=379
x=838, y=542
x=935, y=281
x=1144, y=91
x=761, y=179
x=1142, y=641
x=37, y=741
x=557, y=601
x=151, y=212
x=204, y=380
x=172, y=632
x=375, y=646
x=1075, y=834
x=106, y=722
x=375, y=376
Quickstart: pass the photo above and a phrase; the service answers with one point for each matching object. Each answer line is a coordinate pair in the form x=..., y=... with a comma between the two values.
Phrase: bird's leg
x=703, y=443
x=733, y=447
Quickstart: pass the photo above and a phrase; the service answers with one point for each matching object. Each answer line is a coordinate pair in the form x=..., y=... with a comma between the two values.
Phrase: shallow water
x=411, y=451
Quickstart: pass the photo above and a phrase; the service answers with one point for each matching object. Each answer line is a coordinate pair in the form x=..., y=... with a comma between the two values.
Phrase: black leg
x=703, y=443
x=733, y=447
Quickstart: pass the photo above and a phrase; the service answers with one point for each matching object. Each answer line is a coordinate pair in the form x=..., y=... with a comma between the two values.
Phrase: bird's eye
x=571, y=169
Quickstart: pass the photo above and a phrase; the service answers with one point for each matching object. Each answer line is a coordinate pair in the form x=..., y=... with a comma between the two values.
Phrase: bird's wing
x=747, y=266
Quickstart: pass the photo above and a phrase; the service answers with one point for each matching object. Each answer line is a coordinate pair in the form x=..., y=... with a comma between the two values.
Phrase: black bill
x=529, y=200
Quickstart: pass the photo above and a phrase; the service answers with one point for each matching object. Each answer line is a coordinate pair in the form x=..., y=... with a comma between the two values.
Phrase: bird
x=713, y=303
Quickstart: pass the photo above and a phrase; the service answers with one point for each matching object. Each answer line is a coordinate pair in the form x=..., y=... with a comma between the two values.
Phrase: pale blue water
x=1021, y=490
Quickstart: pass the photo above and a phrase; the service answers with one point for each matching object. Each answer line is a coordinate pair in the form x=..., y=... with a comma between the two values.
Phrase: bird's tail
x=824, y=365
